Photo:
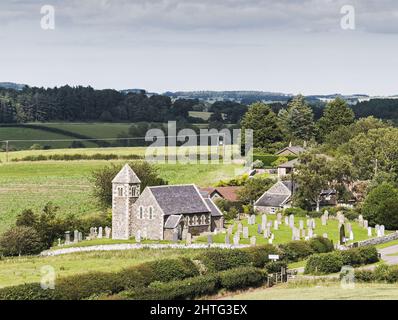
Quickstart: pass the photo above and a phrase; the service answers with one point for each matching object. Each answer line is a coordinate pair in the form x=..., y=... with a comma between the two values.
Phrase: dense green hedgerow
x=321, y=245
x=333, y=261
x=259, y=254
x=220, y=260
x=296, y=250
x=190, y=288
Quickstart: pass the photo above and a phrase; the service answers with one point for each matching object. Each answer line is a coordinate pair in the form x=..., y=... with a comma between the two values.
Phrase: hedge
x=268, y=159
x=259, y=254
x=333, y=261
x=191, y=288
x=83, y=286
x=382, y=273
x=215, y=260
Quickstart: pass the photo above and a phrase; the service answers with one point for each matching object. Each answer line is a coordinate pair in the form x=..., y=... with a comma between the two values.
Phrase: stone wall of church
x=120, y=212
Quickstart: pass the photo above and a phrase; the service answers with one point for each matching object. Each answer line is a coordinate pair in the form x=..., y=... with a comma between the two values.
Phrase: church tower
x=126, y=188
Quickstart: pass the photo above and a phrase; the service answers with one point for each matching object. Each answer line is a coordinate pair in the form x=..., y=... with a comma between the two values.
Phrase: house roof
x=126, y=175
x=180, y=199
x=292, y=186
x=172, y=221
x=228, y=193
x=272, y=200
x=289, y=165
x=293, y=149
x=215, y=212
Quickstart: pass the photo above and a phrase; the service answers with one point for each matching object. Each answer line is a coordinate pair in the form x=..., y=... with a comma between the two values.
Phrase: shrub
x=259, y=254
x=219, y=260
x=173, y=269
x=296, y=250
x=258, y=164
x=324, y=263
x=298, y=212
x=321, y=245
x=20, y=241
x=176, y=290
x=333, y=261
x=275, y=266
x=364, y=276
x=241, y=278
x=31, y=291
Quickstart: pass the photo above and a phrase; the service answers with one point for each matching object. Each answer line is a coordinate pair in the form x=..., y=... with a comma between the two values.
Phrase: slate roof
x=272, y=200
x=172, y=221
x=228, y=193
x=126, y=175
x=289, y=165
x=215, y=212
x=293, y=149
x=181, y=199
x=292, y=186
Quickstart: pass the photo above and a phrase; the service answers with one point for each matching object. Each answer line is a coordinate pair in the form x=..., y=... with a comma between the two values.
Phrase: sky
x=290, y=46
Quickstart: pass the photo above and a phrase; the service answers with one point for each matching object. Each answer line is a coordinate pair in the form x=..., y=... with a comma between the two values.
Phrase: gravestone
x=245, y=232
x=253, y=219
x=270, y=240
x=236, y=239
x=138, y=236
x=323, y=220
x=144, y=234
x=310, y=233
x=365, y=224
x=313, y=225
x=276, y=225
x=227, y=240
x=286, y=221
x=378, y=233
x=266, y=234
x=325, y=235
x=295, y=234
x=230, y=230
x=249, y=220
x=259, y=229
x=240, y=227
x=108, y=232
x=189, y=239
x=279, y=217
x=100, y=233
x=369, y=231
x=301, y=224
x=80, y=236
x=67, y=237
x=253, y=241
x=351, y=236
x=382, y=230
x=326, y=214
x=59, y=242
x=92, y=235
x=95, y=232
x=263, y=222
x=76, y=236
x=209, y=239
x=302, y=233
x=291, y=221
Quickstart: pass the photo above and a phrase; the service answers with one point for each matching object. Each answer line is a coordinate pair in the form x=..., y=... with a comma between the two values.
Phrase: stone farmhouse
x=160, y=212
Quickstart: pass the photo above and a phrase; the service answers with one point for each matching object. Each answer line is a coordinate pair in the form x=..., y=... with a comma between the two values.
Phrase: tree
x=299, y=120
x=20, y=241
x=313, y=176
x=254, y=189
x=263, y=121
x=381, y=206
x=101, y=180
x=27, y=218
x=335, y=115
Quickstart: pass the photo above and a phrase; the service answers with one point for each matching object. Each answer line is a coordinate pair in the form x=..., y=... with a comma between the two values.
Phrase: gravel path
x=385, y=255
x=115, y=247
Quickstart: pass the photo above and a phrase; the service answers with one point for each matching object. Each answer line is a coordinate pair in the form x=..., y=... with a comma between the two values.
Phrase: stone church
x=160, y=212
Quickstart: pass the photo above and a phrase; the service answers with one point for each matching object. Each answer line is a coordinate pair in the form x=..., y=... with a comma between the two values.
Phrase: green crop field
x=26, y=185
x=14, y=271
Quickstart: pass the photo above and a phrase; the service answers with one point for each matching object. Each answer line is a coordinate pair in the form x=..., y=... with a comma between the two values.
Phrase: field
x=322, y=291
x=14, y=271
x=26, y=185
x=200, y=114
x=284, y=233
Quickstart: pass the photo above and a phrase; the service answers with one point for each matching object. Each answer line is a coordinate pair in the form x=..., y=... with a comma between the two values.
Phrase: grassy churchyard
x=284, y=232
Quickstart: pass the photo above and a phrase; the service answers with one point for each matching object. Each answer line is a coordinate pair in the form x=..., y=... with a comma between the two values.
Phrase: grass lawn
x=32, y=184
x=387, y=244
x=16, y=271
x=284, y=234
x=322, y=291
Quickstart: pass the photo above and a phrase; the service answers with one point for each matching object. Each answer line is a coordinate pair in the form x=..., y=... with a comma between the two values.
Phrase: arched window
x=150, y=213
x=141, y=213
x=195, y=220
x=120, y=191
x=203, y=219
x=135, y=191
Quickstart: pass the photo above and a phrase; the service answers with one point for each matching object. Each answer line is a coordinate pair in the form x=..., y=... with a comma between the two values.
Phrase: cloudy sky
x=291, y=46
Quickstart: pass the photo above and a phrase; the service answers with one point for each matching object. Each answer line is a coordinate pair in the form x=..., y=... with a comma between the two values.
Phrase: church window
x=141, y=213
x=120, y=191
x=203, y=219
x=150, y=213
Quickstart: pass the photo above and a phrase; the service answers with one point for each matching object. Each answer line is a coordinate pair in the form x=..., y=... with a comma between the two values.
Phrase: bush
x=321, y=245
x=173, y=269
x=258, y=164
x=296, y=250
x=31, y=291
x=298, y=212
x=241, y=278
x=364, y=276
x=259, y=254
x=220, y=260
x=324, y=263
x=333, y=261
x=20, y=241
x=275, y=266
